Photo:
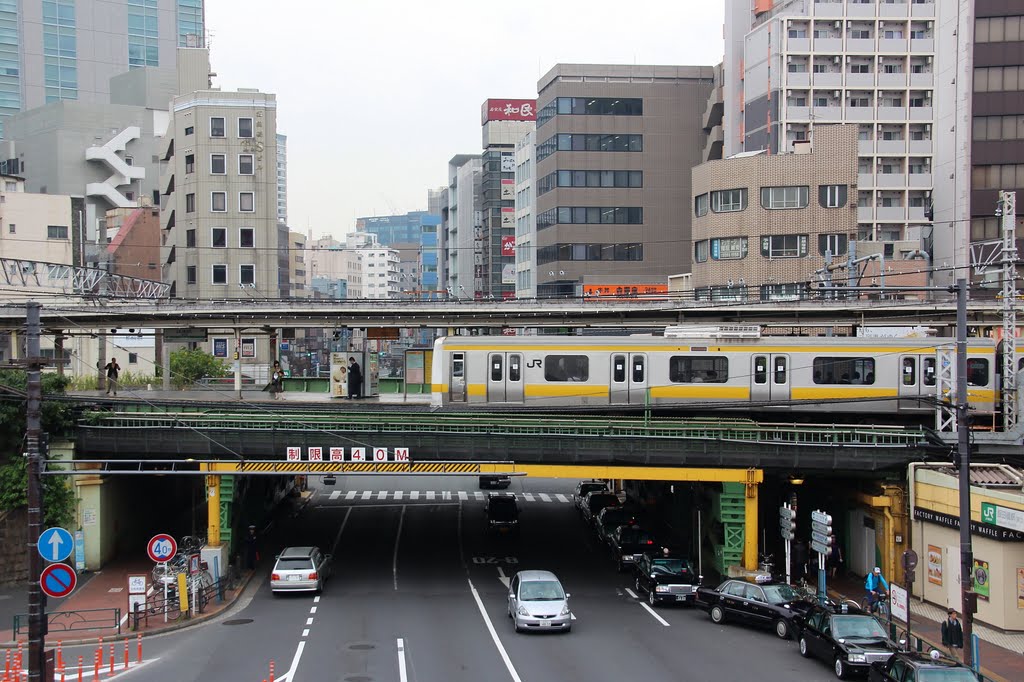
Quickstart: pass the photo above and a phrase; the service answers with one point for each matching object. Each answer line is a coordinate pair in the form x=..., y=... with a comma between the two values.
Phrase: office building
x=414, y=236
x=615, y=145
x=526, y=220
x=62, y=50
x=463, y=223
x=897, y=70
x=282, y=178
x=222, y=238
x=437, y=204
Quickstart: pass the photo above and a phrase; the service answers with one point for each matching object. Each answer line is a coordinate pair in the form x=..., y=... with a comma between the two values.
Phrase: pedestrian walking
x=112, y=369
x=355, y=379
x=835, y=560
x=252, y=554
x=799, y=554
x=276, y=383
x=953, y=635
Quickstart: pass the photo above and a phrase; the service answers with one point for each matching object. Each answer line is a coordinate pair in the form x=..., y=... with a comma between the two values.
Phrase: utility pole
x=33, y=437
x=964, y=456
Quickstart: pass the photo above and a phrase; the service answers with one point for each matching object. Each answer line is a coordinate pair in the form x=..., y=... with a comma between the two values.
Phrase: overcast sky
x=375, y=97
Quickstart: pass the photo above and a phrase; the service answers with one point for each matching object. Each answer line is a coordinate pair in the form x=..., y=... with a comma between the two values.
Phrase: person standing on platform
x=112, y=369
x=355, y=379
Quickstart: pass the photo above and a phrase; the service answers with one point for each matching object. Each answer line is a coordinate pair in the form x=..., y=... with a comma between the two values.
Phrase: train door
x=504, y=378
x=769, y=378
x=910, y=389
x=628, y=385
x=457, y=378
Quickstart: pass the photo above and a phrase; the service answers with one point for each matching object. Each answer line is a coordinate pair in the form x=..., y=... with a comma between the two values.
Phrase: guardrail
x=74, y=621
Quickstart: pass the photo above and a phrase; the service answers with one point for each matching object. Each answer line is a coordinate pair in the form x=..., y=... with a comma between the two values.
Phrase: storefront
x=997, y=537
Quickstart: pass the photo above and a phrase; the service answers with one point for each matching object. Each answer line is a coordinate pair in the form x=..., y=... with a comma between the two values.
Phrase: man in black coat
x=953, y=635
x=355, y=379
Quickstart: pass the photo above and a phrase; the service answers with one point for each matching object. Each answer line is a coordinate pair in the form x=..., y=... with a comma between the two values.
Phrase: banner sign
x=508, y=246
x=508, y=110
x=934, y=565
x=984, y=530
x=338, y=454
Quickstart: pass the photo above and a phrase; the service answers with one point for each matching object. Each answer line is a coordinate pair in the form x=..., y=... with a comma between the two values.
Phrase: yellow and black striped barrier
x=267, y=467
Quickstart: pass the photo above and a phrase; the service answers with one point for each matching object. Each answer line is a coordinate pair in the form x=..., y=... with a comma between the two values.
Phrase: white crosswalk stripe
x=447, y=495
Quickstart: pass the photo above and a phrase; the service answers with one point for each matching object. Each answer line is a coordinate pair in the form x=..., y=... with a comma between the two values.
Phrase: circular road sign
x=58, y=580
x=162, y=547
x=55, y=544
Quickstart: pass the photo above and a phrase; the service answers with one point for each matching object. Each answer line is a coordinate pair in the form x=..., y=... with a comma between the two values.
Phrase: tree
x=58, y=417
x=189, y=366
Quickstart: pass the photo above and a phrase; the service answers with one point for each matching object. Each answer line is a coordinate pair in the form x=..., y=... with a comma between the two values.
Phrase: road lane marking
x=502, y=577
x=463, y=497
x=312, y=609
x=479, y=496
x=295, y=664
x=398, y=536
x=544, y=497
x=528, y=497
x=656, y=616
x=305, y=632
x=414, y=495
x=366, y=494
x=447, y=495
x=335, y=495
x=398, y=495
x=337, y=538
x=494, y=634
x=316, y=599
x=382, y=494
x=350, y=495
x=402, y=677
x=631, y=593
x=309, y=621
x=561, y=497
x=430, y=494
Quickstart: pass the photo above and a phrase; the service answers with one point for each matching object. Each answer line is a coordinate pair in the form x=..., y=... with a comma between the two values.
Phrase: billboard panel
x=508, y=246
x=508, y=110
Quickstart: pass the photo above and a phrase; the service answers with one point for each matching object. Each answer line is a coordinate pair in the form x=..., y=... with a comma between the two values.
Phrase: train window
x=458, y=366
x=497, y=373
x=977, y=372
x=683, y=369
x=909, y=371
x=638, y=368
x=780, y=370
x=760, y=369
x=844, y=371
x=618, y=368
x=514, y=364
x=929, y=371
x=566, y=367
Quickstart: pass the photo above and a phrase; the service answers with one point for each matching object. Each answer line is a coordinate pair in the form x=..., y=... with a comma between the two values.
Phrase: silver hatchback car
x=536, y=601
x=300, y=569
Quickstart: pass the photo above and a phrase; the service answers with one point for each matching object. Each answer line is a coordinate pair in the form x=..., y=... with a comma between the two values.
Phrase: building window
x=601, y=106
x=217, y=126
x=580, y=142
x=12, y=228
x=998, y=78
x=189, y=130
x=190, y=202
x=219, y=237
x=836, y=244
x=700, y=205
x=218, y=164
x=784, y=197
x=247, y=274
x=190, y=163
x=245, y=165
x=56, y=231
x=245, y=127
x=190, y=238
x=832, y=196
x=729, y=248
x=999, y=29
x=782, y=292
x=220, y=274
x=784, y=246
x=246, y=202
x=590, y=252
x=218, y=202
x=247, y=238
x=700, y=251
x=728, y=200
x=190, y=274
x=133, y=358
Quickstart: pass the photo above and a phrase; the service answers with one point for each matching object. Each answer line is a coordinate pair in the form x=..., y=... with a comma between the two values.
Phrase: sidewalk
x=1001, y=653
x=106, y=590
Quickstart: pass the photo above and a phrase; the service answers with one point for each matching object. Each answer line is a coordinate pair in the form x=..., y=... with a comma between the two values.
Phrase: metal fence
x=74, y=621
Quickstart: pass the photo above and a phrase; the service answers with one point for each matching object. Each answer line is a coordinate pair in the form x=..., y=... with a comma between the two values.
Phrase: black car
x=848, y=638
x=584, y=487
x=610, y=518
x=920, y=667
x=595, y=501
x=758, y=601
x=666, y=578
x=499, y=481
x=628, y=543
x=502, y=511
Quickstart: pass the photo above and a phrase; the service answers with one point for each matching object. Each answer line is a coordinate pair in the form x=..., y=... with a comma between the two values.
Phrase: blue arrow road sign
x=55, y=544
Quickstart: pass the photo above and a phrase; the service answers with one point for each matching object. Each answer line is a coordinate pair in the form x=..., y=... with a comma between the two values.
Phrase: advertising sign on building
x=249, y=348
x=508, y=217
x=508, y=162
x=508, y=110
x=934, y=565
x=508, y=246
x=220, y=348
x=1020, y=588
x=508, y=188
x=508, y=274
x=982, y=579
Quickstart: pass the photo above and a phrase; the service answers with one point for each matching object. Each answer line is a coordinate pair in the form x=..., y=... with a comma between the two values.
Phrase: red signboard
x=628, y=290
x=508, y=246
x=508, y=110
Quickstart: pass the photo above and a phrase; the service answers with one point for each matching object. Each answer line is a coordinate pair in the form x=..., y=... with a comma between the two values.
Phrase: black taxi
x=757, y=601
x=848, y=638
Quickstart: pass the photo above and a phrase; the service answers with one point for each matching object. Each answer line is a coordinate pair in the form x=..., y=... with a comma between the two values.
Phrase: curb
x=129, y=634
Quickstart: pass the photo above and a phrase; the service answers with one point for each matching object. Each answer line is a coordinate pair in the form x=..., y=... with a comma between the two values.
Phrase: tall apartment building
x=282, y=179
x=898, y=70
x=59, y=49
x=219, y=214
x=615, y=145
x=463, y=221
x=505, y=122
x=526, y=219
x=330, y=260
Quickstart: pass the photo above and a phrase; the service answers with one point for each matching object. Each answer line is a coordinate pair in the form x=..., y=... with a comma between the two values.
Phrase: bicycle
x=877, y=607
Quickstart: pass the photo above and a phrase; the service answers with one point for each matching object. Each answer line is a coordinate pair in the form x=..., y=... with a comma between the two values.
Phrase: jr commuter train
x=694, y=370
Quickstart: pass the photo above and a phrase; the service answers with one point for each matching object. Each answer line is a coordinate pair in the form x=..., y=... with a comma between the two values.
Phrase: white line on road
x=337, y=538
x=463, y=496
x=414, y=494
x=335, y=495
x=350, y=495
x=528, y=497
x=398, y=536
x=479, y=496
x=544, y=497
x=312, y=610
x=382, y=495
x=305, y=632
x=502, y=577
x=366, y=494
x=494, y=635
x=309, y=621
x=561, y=497
x=295, y=664
x=402, y=677
x=430, y=494
x=446, y=495
x=656, y=616
x=398, y=494
x=631, y=593
x=316, y=599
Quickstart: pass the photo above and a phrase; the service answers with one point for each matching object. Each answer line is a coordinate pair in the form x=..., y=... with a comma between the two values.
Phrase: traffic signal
x=787, y=522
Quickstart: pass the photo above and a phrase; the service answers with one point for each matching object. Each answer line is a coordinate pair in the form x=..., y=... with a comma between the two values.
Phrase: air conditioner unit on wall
x=835, y=60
